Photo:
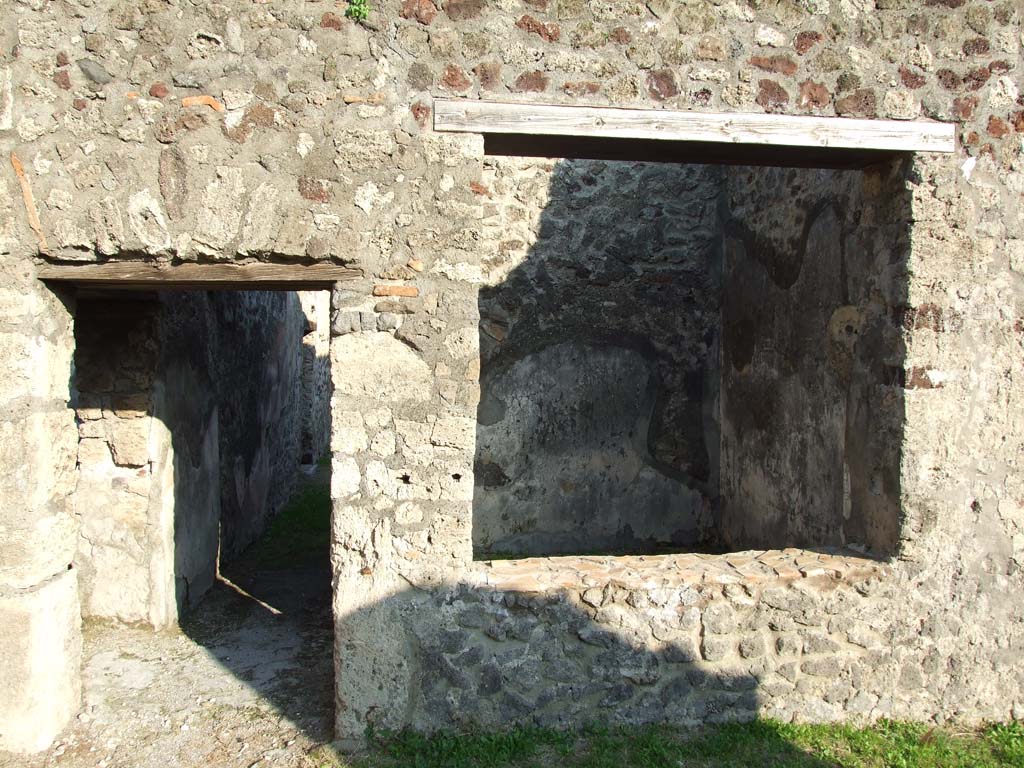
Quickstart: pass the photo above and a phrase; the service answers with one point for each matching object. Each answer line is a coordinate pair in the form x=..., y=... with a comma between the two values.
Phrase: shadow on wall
x=685, y=357
x=466, y=658
x=691, y=358
x=231, y=407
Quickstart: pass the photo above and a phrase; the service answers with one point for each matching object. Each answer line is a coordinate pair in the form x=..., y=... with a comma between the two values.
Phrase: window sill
x=760, y=568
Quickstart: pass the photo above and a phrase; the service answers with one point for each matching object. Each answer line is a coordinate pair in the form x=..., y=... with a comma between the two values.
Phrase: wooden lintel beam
x=486, y=117
x=135, y=275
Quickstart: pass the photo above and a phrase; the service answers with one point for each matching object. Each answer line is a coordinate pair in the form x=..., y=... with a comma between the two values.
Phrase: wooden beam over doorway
x=744, y=130
x=138, y=275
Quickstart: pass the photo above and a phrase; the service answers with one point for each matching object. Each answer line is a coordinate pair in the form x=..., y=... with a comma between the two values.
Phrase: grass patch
x=301, y=533
x=759, y=744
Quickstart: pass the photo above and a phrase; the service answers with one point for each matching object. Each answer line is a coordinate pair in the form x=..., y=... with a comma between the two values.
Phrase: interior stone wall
x=256, y=373
x=815, y=279
x=597, y=425
x=601, y=424
x=188, y=452
x=315, y=417
x=117, y=346
x=311, y=140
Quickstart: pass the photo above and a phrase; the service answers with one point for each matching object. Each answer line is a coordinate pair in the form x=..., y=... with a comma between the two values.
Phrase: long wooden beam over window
x=136, y=275
x=688, y=136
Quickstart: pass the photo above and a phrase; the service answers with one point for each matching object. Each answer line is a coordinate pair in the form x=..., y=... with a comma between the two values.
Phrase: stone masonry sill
x=821, y=567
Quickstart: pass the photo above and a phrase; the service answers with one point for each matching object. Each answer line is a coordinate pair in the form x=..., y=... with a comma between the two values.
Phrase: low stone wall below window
x=793, y=634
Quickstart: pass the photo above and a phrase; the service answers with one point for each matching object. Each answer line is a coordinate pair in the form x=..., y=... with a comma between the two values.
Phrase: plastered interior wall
x=814, y=291
x=630, y=294
x=258, y=378
x=324, y=151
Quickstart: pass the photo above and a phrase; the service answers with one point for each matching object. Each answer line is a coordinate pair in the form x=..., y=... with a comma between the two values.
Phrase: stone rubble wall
x=279, y=131
x=679, y=639
x=597, y=427
x=40, y=632
x=122, y=570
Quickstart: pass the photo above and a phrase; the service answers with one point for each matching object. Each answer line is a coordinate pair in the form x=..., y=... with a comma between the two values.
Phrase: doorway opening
x=204, y=489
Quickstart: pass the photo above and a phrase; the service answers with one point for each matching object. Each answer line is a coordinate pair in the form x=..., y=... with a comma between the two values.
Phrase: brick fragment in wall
x=584, y=88
x=547, y=32
x=997, y=127
x=814, y=95
x=317, y=190
x=330, y=20
x=410, y=291
x=531, y=82
x=912, y=79
x=963, y=107
x=454, y=79
x=771, y=96
x=423, y=11
x=806, y=40
x=976, y=78
x=420, y=113
x=780, y=65
x=661, y=84
x=923, y=378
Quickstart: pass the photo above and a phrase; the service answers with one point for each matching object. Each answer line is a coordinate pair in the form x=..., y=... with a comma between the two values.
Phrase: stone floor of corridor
x=237, y=685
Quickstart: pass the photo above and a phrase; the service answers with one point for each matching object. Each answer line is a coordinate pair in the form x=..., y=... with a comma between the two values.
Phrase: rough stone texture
x=123, y=573
x=599, y=365
x=299, y=88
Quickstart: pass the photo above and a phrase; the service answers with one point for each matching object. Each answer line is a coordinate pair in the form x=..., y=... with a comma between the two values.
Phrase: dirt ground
x=236, y=685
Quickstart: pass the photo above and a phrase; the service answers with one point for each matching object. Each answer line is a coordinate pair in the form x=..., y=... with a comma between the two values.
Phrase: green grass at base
x=299, y=534
x=759, y=744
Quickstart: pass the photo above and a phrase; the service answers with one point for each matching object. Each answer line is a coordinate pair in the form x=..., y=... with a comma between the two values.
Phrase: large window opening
x=689, y=358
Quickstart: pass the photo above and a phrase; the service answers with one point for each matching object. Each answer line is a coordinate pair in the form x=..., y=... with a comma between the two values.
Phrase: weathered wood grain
x=146, y=275
x=769, y=130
